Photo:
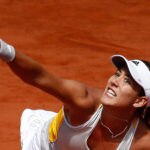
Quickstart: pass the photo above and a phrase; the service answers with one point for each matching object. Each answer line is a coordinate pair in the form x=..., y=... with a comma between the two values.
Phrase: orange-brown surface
x=74, y=39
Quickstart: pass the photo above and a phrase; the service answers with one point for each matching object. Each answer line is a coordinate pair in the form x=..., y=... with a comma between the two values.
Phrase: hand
x=7, y=52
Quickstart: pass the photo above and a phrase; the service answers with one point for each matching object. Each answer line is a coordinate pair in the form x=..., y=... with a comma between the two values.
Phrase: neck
x=115, y=124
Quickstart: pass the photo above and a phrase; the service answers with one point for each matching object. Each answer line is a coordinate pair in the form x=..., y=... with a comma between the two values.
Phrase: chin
x=107, y=101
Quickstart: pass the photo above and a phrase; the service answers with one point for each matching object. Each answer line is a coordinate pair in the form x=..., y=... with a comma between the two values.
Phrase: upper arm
x=70, y=92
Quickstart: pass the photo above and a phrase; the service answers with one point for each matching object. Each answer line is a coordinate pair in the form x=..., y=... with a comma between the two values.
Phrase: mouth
x=110, y=92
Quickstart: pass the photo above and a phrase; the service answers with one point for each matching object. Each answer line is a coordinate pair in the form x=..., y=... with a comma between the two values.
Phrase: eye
x=117, y=74
x=127, y=80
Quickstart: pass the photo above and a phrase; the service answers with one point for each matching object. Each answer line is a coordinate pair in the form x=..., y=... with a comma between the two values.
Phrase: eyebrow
x=126, y=74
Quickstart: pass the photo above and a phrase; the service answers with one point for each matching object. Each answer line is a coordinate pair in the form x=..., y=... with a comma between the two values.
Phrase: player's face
x=121, y=90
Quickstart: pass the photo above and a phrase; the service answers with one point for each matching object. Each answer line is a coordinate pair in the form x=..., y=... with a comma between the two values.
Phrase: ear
x=140, y=102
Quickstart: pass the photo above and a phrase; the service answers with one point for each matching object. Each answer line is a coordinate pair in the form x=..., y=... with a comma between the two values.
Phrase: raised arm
x=72, y=93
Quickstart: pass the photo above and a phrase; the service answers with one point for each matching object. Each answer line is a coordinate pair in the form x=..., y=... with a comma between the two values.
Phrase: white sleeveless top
x=75, y=137
x=69, y=137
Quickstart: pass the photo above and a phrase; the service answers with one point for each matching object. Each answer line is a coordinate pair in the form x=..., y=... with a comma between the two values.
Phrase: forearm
x=26, y=68
x=23, y=66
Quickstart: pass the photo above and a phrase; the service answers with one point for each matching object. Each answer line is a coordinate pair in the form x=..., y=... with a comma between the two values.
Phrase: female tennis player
x=90, y=119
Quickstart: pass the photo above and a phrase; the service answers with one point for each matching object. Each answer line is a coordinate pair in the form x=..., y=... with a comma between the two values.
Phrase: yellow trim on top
x=55, y=126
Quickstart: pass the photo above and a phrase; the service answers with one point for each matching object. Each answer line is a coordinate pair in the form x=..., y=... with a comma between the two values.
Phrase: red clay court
x=73, y=39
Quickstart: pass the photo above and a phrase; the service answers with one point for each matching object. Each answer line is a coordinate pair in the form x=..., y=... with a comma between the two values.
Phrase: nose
x=115, y=81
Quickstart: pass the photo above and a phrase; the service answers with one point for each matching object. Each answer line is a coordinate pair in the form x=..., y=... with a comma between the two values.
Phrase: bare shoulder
x=85, y=97
x=94, y=94
x=85, y=104
x=142, y=137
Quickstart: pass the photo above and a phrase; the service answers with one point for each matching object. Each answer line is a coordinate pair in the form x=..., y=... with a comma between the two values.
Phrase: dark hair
x=144, y=112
